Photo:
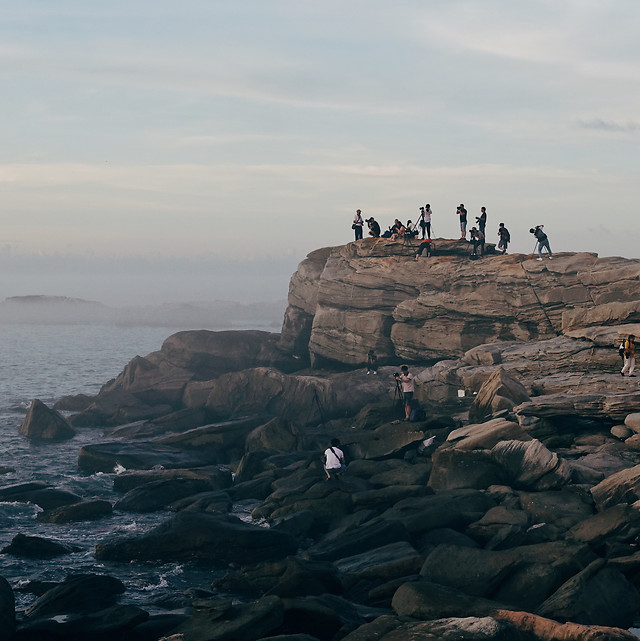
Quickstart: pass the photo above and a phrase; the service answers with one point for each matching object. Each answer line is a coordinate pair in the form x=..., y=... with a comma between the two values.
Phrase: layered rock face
x=374, y=294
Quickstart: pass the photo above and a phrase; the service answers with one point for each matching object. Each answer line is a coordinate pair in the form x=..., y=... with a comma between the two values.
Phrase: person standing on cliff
x=425, y=220
x=334, y=460
x=543, y=241
x=482, y=220
x=372, y=362
x=357, y=224
x=504, y=236
x=462, y=212
x=406, y=378
x=629, y=356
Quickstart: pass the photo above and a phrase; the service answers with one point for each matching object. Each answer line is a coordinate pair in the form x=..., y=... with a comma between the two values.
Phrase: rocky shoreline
x=511, y=512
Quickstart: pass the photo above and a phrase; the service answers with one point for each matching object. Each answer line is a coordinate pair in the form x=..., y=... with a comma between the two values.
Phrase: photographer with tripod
x=405, y=378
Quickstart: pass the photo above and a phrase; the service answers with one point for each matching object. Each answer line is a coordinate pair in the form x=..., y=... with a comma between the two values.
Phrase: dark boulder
x=7, y=611
x=79, y=593
x=48, y=498
x=217, y=477
x=157, y=495
x=44, y=424
x=207, y=537
x=81, y=511
x=36, y=547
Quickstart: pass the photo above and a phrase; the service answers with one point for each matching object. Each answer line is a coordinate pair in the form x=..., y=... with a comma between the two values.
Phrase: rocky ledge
x=510, y=510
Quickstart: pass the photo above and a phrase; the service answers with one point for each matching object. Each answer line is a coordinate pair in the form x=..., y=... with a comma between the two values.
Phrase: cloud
x=599, y=124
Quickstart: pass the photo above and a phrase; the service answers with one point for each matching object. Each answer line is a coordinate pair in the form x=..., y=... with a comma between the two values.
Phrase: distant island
x=217, y=314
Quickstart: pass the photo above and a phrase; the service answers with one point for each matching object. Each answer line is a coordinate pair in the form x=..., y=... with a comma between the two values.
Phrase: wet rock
x=109, y=623
x=44, y=424
x=81, y=511
x=455, y=468
x=157, y=495
x=218, y=477
x=46, y=497
x=219, y=620
x=79, y=593
x=36, y=547
x=596, y=596
x=7, y=611
x=104, y=457
x=207, y=537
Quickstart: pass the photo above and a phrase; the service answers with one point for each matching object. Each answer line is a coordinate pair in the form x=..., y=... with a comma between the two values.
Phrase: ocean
x=47, y=362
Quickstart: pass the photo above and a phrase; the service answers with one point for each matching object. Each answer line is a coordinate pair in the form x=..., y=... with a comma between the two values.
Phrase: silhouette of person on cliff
x=374, y=227
x=482, y=220
x=505, y=238
x=357, y=224
x=334, y=460
x=462, y=213
x=425, y=220
x=542, y=241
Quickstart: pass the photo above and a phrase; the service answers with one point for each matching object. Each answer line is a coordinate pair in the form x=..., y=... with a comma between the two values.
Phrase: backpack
x=621, y=349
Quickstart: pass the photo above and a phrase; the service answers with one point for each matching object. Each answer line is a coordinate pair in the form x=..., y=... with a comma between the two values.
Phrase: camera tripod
x=398, y=397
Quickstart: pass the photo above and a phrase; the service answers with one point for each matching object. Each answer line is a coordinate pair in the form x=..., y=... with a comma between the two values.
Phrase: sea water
x=47, y=362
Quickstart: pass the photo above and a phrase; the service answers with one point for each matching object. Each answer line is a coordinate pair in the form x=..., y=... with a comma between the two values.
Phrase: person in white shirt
x=425, y=220
x=358, y=222
x=406, y=378
x=334, y=460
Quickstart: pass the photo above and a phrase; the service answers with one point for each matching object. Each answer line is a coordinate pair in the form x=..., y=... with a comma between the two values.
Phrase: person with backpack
x=629, y=356
x=482, y=220
x=543, y=241
x=358, y=222
x=334, y=460
x=505, y=238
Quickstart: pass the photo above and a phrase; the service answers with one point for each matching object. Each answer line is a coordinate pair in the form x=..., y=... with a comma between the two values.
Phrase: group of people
x=422, y=228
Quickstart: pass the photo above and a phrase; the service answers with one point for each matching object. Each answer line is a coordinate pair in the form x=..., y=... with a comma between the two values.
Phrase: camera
x=396, y=375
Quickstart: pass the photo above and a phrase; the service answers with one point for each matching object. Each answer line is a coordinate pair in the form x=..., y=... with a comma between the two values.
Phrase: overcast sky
x=157, y=150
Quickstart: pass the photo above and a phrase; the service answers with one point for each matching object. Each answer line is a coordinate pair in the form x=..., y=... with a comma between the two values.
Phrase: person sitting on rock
x=424, y=248
x=334, y=460
x=397, y=230
x=411, y=230
x=629, y=356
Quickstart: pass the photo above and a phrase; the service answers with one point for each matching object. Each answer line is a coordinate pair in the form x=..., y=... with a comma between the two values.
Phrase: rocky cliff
x=374, y=294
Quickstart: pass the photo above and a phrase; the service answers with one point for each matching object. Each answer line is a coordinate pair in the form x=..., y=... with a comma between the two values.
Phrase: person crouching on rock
x=406, y=378
x=629, y=356
x=424, y=248
x=334, y=460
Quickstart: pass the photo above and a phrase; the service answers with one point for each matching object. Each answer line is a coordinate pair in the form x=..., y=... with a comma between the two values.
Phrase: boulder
x=530, y=465
x=501, y=391
x=44, y=424
x=7, y=611
x=36, y=547
x=218, y=477
x=48, y=498
x=543, y=629
x=219, y=620
x=632, y=421
x=598, y=595
x=618, y=523
x=621, y=487
x=275, y=435
x=486, y=435
x=142, y=455
x=79, y=593
x=81, y=511
x=455, y=468
x=157, y=495
x=206, y=537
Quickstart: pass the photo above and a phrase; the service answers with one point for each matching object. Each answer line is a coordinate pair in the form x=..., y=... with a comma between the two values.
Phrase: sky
x=164, y=151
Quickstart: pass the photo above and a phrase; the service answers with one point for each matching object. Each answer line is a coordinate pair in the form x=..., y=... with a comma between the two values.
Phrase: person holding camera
x=357, y=224
x=425, y=221
x=406, y=379
x=482, y=220
x=543, y=241
x=477, y=240
x=374, y=227
x=462, y=213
